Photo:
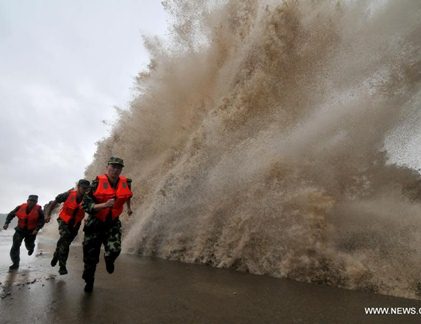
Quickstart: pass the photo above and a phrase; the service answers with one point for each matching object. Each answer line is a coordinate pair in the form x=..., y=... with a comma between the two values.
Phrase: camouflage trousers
x=67, y=235
x=18, y=237
x=99, y=233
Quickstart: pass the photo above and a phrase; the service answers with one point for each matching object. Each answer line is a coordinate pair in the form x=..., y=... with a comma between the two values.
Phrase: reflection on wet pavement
x=147, y=290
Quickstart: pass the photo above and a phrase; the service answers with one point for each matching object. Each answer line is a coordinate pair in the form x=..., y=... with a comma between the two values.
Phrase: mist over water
x=264, y=138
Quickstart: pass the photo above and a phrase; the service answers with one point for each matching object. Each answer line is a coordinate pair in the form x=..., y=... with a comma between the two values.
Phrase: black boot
x=89, y=285
x=54, y=261
x=62, y=270
x=14, y=266
x=109, y=265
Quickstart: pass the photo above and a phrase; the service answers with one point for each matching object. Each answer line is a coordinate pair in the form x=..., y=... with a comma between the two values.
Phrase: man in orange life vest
x=104, y=204
x=70, y=217
x=30, y=221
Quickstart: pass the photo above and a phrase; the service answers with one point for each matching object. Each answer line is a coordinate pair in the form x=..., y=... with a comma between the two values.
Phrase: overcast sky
x=64, y=65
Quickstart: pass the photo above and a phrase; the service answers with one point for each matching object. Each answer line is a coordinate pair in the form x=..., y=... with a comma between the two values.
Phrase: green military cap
x=116, y=161
x=33, y=197
x=84, y=183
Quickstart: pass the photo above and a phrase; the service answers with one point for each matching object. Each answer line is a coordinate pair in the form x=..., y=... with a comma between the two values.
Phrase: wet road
x=145, y=290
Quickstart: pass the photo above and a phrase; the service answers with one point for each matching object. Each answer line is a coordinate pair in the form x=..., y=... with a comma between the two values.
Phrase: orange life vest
x=105, y=191
x=28, y=221
x=72, y=209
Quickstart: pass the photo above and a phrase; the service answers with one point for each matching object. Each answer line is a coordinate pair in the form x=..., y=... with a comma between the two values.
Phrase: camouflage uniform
x=67, y=232
x=23, y=234
x=67, y=235
x=97, y=233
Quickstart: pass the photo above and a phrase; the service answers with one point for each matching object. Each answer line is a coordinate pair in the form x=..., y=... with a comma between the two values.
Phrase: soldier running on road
x=69, y=220
x=30, y=221
x=104, y=204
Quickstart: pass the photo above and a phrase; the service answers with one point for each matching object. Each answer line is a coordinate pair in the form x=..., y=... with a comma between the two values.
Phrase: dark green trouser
x=18, y=237
x=67, y=235
x=96, y=234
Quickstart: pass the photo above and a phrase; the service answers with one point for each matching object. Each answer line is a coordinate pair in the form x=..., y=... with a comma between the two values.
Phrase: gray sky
x=64, y=65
